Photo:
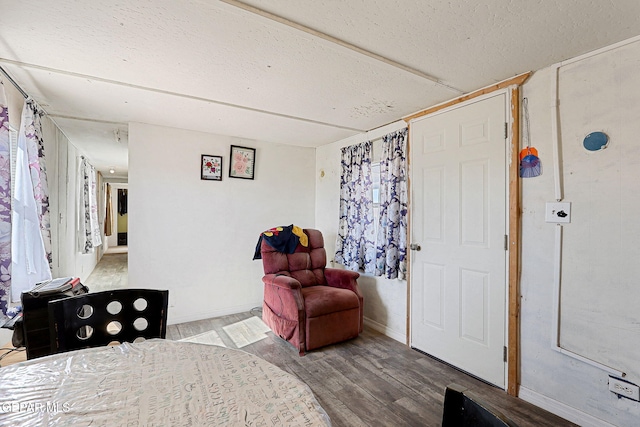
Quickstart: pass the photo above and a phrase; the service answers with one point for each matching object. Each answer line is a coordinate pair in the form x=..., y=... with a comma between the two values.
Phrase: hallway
x=112, y=272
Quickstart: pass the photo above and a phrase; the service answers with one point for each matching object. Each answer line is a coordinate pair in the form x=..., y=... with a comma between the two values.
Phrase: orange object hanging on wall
x=530, y=165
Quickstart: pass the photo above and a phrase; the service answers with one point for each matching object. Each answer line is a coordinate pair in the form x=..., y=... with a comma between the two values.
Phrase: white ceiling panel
x=221, y=53
x=97, y=101
x=468, y=44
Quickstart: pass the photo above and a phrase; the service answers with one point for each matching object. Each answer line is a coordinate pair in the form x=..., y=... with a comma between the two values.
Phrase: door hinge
x=506, y=242
x=504, y=353
x=506, y=130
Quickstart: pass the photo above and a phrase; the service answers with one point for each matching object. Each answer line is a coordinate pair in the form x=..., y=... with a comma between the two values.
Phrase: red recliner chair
x=305, y=303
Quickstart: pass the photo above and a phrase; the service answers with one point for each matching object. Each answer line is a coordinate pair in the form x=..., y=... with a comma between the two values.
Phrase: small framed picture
x=242, y=162
x=211, y=167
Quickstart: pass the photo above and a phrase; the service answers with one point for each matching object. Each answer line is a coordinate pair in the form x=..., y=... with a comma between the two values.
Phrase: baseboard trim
x=384, y=329
x=560, y=409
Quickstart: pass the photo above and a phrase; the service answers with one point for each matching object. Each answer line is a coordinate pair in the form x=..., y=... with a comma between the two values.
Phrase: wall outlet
x=624, y=388
x=558, y=212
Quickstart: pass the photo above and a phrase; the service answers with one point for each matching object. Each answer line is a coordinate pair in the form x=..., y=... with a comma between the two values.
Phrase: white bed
x=155, y=383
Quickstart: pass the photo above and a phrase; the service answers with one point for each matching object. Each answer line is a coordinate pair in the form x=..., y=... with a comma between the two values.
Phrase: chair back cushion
x=306, y=264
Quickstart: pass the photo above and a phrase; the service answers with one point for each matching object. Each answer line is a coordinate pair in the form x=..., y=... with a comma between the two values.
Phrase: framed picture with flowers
x=242, y=162
x=211, y=167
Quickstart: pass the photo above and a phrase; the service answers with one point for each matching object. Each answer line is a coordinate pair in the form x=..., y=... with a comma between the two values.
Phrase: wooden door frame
x=513, y=326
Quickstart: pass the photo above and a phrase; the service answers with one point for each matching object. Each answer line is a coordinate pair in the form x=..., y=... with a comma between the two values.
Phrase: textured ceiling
x=300, y=72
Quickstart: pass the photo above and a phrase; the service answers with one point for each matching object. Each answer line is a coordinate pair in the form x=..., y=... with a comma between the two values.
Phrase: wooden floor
x=372, y=380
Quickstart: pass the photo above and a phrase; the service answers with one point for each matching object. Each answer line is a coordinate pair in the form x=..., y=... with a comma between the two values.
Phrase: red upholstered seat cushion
x=321, y=300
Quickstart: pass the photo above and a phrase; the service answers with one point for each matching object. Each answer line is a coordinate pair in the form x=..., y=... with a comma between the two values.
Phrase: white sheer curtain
x=355, y=244
x=30, y=209
x=391, y=243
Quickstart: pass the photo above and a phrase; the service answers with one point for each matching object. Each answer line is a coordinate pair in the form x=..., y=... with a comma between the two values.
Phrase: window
x=375, y=179
x=375, y=196
x=373, y=224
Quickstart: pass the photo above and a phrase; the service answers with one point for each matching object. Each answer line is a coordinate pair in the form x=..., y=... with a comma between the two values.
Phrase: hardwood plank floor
x=372, y=380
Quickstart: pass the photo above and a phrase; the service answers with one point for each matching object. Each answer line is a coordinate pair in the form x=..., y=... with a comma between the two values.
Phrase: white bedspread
x=155, y=383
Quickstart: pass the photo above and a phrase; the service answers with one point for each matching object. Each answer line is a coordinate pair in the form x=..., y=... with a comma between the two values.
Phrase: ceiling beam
x=177, y=94
x=341, y=43
x=87, y=119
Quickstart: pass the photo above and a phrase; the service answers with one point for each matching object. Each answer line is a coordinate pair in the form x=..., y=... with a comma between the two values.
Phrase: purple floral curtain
x=5, y=205
x=355, y=244
x=391, y=250
x=89, y=233
x=37, y=167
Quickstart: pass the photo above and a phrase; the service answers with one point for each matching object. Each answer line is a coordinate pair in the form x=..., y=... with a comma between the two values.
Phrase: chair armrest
x=281, y=281
x=345, y=279
x=283, y=295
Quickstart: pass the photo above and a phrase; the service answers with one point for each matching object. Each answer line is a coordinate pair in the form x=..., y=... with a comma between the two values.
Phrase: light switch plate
x=558, y=212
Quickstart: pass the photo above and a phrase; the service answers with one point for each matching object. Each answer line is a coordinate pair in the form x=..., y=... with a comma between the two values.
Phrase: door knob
x=414, y=247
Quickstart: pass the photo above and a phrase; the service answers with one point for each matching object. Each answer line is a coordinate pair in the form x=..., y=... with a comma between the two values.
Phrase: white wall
x=385, y=301
x=196, y=238
x=549, y=378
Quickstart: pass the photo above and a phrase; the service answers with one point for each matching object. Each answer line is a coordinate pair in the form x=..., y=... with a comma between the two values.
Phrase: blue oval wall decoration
x=596, y=141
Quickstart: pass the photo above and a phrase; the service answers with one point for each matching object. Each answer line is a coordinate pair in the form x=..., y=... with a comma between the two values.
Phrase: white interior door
x=459, y=220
